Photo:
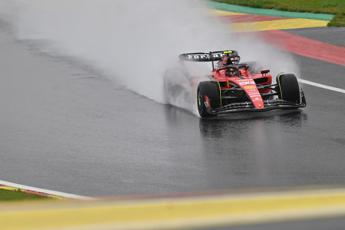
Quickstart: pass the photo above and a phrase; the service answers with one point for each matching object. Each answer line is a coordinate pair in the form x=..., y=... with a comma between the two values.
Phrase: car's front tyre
x=289, y=89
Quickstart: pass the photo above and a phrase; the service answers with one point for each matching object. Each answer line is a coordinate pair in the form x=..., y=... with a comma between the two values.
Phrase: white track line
x=45, y=191
x=335, y=89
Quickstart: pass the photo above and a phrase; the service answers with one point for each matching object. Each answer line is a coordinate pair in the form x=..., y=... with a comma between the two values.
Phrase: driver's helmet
x=230, y=57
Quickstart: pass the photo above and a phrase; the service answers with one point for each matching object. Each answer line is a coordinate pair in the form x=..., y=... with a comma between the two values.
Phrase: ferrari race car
x=240, y=87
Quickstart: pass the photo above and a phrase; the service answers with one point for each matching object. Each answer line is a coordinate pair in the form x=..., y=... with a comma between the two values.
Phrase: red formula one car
x=239, y=87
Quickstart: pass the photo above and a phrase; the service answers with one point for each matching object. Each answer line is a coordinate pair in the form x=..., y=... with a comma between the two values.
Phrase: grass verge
x=336, y=7
x=10, y=195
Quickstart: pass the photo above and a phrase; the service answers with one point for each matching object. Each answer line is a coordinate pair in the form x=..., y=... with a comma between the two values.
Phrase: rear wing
x=206, y=57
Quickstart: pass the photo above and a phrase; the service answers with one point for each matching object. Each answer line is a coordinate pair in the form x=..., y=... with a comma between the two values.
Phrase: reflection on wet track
x=244, y=149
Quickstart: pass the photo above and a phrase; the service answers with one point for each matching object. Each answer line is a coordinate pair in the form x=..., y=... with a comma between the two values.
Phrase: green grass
x=336, y=7
x=6, y=195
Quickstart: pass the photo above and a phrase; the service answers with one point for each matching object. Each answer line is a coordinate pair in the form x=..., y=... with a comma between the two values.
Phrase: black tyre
x=289, y=89
x=208, y=98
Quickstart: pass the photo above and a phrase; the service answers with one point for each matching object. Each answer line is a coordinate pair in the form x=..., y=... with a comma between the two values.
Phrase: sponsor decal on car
x=246, y=82
x=249, y=87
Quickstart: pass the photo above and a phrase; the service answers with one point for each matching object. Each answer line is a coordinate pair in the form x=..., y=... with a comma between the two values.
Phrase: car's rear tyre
x=289, y=89
x=208, y=98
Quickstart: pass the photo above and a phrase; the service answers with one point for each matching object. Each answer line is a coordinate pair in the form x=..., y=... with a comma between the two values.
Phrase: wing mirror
x=265, y=71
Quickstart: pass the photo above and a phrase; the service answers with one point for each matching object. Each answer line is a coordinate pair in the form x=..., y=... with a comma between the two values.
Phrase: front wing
x=249, y=107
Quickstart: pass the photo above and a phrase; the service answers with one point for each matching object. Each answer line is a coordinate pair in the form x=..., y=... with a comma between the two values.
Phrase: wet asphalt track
x=66, y=128
x=331, y=35
x=311, y=224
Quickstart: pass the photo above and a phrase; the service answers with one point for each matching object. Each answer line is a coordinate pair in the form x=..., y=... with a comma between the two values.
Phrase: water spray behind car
x=135, y=43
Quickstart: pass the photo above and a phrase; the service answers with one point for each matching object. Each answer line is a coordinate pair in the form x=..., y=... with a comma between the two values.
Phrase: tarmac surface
x=330, y=35
x=312, y=224
x=66, y=128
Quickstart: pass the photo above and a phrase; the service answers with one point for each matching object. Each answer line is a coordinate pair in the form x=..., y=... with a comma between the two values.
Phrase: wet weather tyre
x=208, y=92
x=289, y=89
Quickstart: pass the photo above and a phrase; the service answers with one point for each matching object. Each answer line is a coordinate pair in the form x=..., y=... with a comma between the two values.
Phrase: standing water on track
x=134, y=42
